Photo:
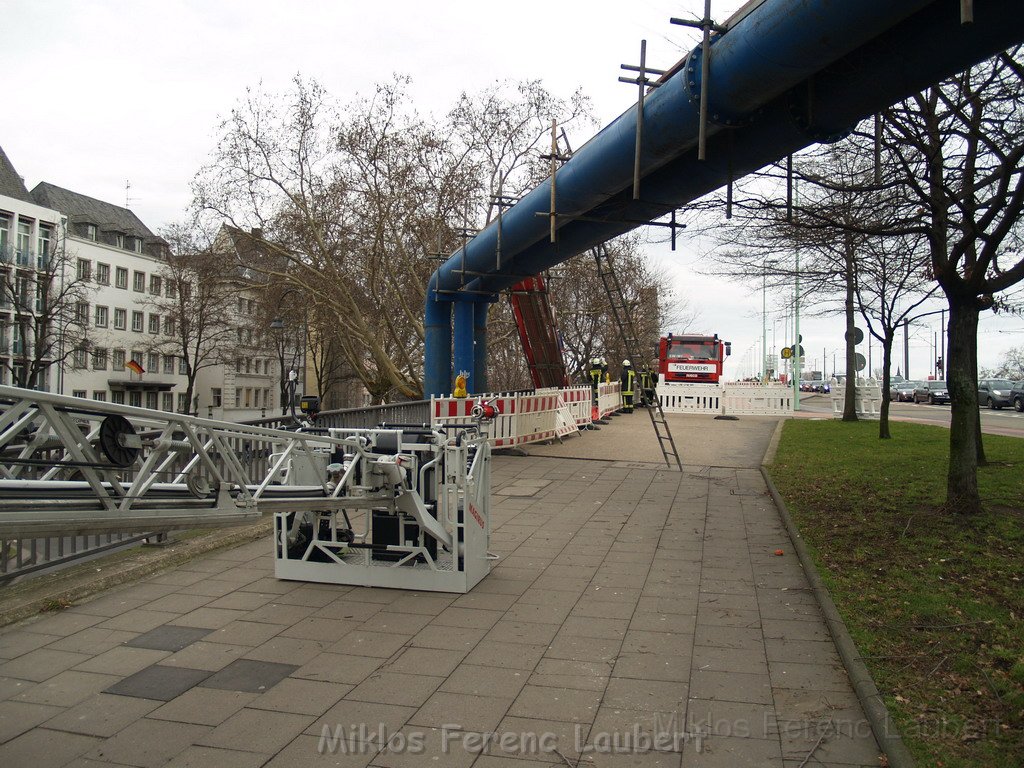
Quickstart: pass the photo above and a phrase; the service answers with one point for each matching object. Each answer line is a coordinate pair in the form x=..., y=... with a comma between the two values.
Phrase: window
x=84, y=269
x=186, y=288
x=137, y=244
x=135, y=398
x=182, y=403
x=102, y=315
x=118, y=359
x=103, y=274
x=182, y=368
x=151, y=400
x=216, y=396
x=170, y=327
x=90, y=232
x=120, y=319
x=156, y=285
x=139, y=282
x=170, y=291
x=241, y=305
x=100, y=397
x=154, y=363
x=168, y=364
x=137, y=356
x=117, y=396
x=43, y=246
x=266, y=397
x=252, y=307
x=168, y=401
x=99, y=359
x=239, y=331
x=137, y=321
x=248, y=366
x=154, y=323
x=80, y=358
x=24, y=241
x=119, y=240
x=121, y=278
x=82, y=312
x=248, y=397
x=238, y=397
x=79, y=393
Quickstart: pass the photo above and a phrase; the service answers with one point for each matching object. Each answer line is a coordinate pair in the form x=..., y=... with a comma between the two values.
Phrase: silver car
x=995, y=393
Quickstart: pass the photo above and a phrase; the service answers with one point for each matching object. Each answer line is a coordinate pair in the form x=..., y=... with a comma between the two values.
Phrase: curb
x=877, y=713
x=73, y=584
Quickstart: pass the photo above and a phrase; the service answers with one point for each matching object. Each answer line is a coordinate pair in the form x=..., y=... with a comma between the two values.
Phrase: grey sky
x=101, y=92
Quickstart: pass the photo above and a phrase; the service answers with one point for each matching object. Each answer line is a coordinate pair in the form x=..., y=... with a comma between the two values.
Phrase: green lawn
x=934, y=600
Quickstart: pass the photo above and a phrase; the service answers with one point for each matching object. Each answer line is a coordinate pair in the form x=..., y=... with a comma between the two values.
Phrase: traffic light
x=938, y=365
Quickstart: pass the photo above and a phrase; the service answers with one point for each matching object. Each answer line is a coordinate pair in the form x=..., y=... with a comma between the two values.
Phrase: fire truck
x=692, y=359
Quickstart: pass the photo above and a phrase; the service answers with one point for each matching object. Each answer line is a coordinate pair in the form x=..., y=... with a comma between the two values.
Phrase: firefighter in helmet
x=628, y=381
x=595, y=376
x=606, y=377
x=648, y=381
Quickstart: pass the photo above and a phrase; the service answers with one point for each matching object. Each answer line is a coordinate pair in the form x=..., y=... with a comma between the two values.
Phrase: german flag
x=135, y=367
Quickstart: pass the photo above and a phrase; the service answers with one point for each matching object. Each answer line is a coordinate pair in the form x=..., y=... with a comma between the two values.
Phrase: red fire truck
x=692, y=359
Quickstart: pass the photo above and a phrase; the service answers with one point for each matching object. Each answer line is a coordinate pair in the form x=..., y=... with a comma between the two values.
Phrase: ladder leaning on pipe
x=627, y=332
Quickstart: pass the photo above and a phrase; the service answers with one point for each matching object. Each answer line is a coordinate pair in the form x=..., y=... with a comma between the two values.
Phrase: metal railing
x=23, y=556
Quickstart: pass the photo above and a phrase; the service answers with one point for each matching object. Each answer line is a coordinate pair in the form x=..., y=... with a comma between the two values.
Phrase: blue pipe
x=464, y=361
x=480, y=346
x=437, y=327
x=755, y=69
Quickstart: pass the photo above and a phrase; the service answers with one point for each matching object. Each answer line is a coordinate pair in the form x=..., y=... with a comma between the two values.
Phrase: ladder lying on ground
x=627, y=331
x=538, y=331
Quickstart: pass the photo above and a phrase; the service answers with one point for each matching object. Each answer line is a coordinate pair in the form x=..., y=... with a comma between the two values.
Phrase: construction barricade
x=609, y=399
x=735, y=398
x=867, y=400
x=690, y=398
x=528, y=418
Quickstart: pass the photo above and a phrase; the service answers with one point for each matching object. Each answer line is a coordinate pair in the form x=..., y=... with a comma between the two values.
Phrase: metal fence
x=19, y=557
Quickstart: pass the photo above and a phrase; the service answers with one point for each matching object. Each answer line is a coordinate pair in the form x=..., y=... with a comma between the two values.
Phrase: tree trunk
x=883, y=420
x=850, y=404
x=962, y=480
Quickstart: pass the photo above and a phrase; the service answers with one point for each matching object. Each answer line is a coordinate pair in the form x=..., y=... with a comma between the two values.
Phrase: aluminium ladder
x=627, y=332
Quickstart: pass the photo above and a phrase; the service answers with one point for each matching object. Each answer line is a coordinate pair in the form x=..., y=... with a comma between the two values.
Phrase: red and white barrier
x=609, y=399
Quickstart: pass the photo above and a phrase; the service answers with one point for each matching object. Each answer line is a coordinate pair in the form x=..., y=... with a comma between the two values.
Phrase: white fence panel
x=747, y=399
x=690, y=398
x=609, y=398
x=868, y=400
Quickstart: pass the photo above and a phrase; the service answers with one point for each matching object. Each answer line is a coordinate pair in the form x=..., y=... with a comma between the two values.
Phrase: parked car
x=995, y=393
x=1017, y=396
x=933, y=392
x=904, y=391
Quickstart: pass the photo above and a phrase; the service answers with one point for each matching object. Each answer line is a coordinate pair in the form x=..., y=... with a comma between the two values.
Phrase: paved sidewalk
x=631, y=605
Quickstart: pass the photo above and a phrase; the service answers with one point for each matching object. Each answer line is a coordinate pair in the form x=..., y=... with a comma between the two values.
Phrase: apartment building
x=28, y=234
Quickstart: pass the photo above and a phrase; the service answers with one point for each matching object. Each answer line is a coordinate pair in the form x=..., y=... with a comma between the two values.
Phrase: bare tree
x=200, y=324
x=49, y=301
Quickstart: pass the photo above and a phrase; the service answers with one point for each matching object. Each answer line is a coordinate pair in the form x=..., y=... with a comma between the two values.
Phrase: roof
x=82, y=208
x=11, y=184
x=252, y=253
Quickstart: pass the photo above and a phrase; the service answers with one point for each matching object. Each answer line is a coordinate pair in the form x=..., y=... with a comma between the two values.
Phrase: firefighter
x=595, y=376
x=606, y=377
x=648, y=380
x=628, y=381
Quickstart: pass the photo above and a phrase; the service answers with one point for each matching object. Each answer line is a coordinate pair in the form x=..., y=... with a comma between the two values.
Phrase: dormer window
x=90, y=232
x=119, y=240
x=137, y=244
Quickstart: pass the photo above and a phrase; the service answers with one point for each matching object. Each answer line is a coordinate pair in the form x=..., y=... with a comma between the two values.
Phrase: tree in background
x=49, y=302
x=198, y=306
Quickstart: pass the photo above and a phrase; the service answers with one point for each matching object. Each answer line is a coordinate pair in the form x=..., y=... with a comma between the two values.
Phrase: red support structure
x=538, y=332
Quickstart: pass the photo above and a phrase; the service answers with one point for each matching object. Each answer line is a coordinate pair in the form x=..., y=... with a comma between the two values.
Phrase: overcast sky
x=101, y=93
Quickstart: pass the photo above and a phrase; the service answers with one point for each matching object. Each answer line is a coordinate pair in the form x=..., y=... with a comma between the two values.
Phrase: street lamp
x=764, y=320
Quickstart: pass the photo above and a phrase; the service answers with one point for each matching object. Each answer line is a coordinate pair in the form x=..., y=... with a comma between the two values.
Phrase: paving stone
x=209, y=618
x=92, y=641
x=14, y=643
x=651, y=695
x=343, y=608
x=256, y=731
x=211, y=757
x=462, y=639
x=486, y=681
x=301, y=697
x=731, y=686
x=313, y=595
x=393, y=623
x=242, y=601
x=148, y=743
x=338, y=668
x=601, y=609
x=204, y=655
x=731, y=718
x=360, y=643
x=159, y=682
x=729, y=660
x=10, y=687
x=525, y=632
x=177, y=577
x=374, y=595
x=62, y=624
x=556, y=703
x=109, y=605
x=464, y=711
x=815, y=677
x=729, y=637
x=203, y=706
x=795, y=630
x=139, y=620
x=677, y=623
x=564, y=737
x=122, y=661
x=279, y=613
x=434, y=661
x=102, y=715
x=396, y=688
x=250, y=633
x=467, y=618
x=307, y=750
x=361, y=721
x=42, y=748
x=41, y=664
x=67, y=688
x=210, y=588
x=583, y=648
x=168, y=638
x=317, y=628
x=429, y=604
x=288, y=650
x=249, y=676
x=802, y=651
x=430, y=750
x=732, y=752
x=16, y=717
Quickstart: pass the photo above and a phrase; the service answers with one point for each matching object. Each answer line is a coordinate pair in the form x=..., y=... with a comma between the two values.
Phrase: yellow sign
x=787, y=352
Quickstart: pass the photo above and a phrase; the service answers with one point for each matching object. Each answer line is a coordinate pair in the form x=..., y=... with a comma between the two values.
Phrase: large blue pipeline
x=783, y=76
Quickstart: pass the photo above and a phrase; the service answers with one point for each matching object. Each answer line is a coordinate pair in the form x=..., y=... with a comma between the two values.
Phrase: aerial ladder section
x=538, y=332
